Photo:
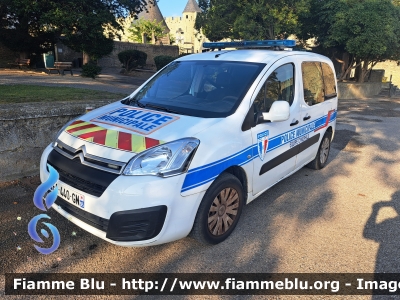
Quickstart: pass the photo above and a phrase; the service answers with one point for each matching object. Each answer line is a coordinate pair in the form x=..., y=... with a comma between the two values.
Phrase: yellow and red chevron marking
x=111, y=138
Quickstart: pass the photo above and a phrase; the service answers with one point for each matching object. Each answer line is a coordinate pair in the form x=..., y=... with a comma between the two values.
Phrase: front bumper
x=132, y=210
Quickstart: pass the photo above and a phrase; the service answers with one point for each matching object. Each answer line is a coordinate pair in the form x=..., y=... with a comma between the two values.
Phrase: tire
x=323, y=153
x=212, y=224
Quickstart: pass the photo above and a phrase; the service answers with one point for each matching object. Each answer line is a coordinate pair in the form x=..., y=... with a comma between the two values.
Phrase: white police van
x=189, y=148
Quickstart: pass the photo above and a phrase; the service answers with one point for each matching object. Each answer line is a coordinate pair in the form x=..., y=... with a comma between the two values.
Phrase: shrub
x=132, y=59
x=162, y=60
x=90, y=70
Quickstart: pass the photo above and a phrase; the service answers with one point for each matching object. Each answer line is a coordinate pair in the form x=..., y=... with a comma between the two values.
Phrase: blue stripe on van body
x=204, y=174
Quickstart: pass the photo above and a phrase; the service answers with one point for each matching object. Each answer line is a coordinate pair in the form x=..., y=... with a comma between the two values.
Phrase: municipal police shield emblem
x=262, y=143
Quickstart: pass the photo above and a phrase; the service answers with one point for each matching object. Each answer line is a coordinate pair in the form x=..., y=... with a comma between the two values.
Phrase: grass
x=34, y=93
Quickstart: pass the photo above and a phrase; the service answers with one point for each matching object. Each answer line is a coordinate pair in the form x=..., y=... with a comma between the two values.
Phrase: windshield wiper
x=161, y=108
x=133, y=101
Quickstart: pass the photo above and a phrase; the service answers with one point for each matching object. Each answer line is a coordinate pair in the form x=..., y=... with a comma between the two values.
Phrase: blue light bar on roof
x=250, y=44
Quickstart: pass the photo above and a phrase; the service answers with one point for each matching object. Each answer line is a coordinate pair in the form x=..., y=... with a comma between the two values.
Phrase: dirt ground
x=344, y=218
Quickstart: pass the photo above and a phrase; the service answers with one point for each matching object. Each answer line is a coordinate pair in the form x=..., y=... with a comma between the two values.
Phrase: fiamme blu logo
x=47, y=193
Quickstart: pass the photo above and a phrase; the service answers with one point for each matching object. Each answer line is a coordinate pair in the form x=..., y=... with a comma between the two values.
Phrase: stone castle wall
x=190, y=41
x=152, y=51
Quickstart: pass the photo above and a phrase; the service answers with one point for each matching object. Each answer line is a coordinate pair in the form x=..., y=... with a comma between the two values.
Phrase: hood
x=117, y=132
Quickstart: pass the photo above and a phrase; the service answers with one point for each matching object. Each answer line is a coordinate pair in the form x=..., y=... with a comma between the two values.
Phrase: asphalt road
x=313, y=221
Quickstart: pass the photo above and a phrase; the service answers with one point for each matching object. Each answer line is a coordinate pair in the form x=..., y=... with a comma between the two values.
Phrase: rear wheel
x=219, y=210
x=323, y=152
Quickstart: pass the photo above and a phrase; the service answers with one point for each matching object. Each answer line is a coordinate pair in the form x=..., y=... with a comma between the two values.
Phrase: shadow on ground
x=303, y=198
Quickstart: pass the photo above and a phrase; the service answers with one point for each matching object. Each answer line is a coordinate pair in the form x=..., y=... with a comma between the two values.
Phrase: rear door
x=318, y=103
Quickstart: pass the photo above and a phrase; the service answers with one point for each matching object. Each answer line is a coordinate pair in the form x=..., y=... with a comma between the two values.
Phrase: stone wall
x=151, y=50
x=391, y=69
x=6, y=56
x=364, y=90
x=26, y=129
x=375, y=76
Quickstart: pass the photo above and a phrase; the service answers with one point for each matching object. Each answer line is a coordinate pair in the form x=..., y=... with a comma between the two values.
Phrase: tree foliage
x=249, y=19
x=34, y=26
x=149, y=28
x=162, y=60
x=90, y=70
x=367, y=31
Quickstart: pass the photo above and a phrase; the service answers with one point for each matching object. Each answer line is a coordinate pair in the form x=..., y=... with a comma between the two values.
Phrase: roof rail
x=280, y=44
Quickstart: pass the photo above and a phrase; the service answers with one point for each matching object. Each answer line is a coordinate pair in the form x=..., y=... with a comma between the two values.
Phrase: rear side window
x=313, y=83
x=329, y=81
x=318, y=82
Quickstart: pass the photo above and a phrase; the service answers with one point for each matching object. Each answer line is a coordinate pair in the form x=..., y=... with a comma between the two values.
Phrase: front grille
x=88, y=159
x=80, y=184
x=84, y=216
x=84, y=178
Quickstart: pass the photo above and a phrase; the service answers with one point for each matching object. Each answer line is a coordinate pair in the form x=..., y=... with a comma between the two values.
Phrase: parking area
x=312, y=222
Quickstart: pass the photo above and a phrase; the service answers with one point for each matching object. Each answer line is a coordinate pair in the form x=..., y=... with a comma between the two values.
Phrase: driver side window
x=278, y=86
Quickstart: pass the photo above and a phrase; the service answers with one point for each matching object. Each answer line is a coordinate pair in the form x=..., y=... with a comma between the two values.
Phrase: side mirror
x=279, y=111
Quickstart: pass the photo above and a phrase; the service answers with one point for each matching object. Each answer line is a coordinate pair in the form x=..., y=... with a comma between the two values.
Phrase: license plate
x=71, y=195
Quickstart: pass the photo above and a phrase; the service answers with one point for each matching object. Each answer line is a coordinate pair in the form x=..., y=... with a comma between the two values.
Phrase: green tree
x=150, y=28
x=172, y=39
x=249, y=19
x=34, y=26
x=22, y=26
x=362, y=31
x=217, y=18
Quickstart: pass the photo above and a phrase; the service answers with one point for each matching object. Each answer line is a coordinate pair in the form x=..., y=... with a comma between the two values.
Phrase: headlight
x=165, y=160
x=61, y=130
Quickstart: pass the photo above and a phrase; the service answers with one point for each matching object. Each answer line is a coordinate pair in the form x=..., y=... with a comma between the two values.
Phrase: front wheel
x=323, y=152
x=219, y=210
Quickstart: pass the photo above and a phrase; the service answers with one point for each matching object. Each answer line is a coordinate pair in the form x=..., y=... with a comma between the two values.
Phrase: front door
x=274, y=155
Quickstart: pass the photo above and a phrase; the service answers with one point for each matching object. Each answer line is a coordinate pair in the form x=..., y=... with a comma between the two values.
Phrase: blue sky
x=172, y=8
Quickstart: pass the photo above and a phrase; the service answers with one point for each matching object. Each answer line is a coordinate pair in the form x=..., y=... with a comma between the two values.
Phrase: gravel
x=109, y=81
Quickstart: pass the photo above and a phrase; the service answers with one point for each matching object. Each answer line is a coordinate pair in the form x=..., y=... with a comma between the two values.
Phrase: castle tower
x=189, y=18
x=187, y=37
x=192, y=7
x=152, y=12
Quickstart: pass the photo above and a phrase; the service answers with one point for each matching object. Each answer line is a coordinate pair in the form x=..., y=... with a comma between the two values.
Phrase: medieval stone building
x=182, y=29
x=153, y=13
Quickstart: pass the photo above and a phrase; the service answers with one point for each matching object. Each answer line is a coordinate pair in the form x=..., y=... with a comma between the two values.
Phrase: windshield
x=206, y=89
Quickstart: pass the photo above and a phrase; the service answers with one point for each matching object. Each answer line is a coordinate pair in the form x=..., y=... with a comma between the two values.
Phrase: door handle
x=294, y=123
x=306, y=118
